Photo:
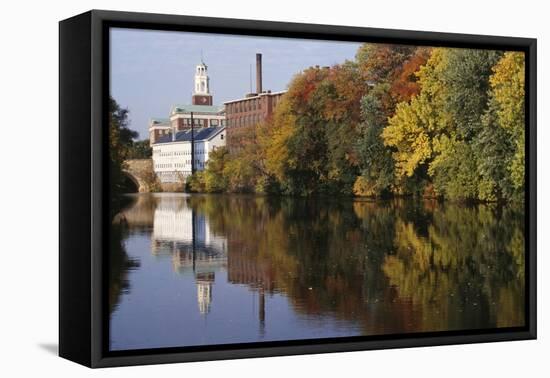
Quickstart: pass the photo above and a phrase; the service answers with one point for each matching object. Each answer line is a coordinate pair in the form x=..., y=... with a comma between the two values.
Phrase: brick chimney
x=259, y=73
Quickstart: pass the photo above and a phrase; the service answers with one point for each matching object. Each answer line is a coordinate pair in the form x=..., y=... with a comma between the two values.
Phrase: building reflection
x=205, y=282
x=245, y=268
x=183, y=234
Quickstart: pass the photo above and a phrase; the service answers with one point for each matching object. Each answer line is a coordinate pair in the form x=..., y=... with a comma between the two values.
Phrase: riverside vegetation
x=397, y=120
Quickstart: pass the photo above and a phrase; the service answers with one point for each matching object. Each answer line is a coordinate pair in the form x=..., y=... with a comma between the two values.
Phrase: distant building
x=171, y=138
x=204, y=113
x=246, y=113
x=158, y=127
x=201, y=90
x=172, y=154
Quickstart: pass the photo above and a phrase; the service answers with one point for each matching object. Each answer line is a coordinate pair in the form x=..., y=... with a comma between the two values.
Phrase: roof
x=206, y=133
x=159, y=122
x=212, y=109
x=279, y=93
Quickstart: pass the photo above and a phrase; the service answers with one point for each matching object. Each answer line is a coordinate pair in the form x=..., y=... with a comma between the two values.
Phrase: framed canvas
x=235, y=188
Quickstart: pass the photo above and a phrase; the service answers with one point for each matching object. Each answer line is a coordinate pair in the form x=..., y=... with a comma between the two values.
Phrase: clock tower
x=201, y=91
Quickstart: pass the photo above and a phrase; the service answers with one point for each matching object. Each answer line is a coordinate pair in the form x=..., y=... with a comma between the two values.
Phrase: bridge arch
x=140, y=172
x=131, y=183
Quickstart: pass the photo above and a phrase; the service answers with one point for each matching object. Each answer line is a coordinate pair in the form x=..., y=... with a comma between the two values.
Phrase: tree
x=494, y=147
x=467, y=78
x=456, y=167
x=214, y=178
x=437, y=134
x=375, y=160
x=140, y=150
x=508, y=107
x=120, y=141
x=415, y=124
x=390, y=73
x=313, y=132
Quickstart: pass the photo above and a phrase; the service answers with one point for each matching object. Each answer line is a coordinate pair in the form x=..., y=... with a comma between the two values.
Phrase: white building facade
x=172, y=155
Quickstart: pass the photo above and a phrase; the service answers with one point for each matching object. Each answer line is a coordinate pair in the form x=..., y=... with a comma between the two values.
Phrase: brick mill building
x=244, y=114
x=177, y=152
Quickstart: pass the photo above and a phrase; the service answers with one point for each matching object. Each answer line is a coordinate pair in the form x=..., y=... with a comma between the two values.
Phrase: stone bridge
x=141, y=172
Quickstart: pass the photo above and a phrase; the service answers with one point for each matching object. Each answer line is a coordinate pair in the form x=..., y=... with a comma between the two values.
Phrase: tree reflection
x=119, y=263
x=394, y=266
x=385, y=266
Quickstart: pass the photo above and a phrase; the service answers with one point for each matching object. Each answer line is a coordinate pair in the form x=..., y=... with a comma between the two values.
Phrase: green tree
x=120, y=142
x=494, y=148
x=375, y=159
x=455, y=170
x=214, y=179
x=140, y=150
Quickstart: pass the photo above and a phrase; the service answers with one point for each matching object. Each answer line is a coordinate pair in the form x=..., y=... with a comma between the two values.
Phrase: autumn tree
x=389, y=74
x=313, y=132
x=508, y=109
x=436, y=135
x=397, y=120
x=412, y=129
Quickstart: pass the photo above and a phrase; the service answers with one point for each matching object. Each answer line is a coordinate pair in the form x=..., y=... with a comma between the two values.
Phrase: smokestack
x=259, y=73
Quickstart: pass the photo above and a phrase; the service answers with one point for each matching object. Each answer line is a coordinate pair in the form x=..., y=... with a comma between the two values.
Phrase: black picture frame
x=83, y=180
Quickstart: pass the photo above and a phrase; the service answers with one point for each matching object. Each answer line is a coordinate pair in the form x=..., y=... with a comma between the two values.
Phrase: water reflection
x=262, y=268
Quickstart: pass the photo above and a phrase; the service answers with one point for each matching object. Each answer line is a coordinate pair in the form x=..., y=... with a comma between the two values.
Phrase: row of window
x=186, y=164
x=177, y=153
x=200, y=122
x=252, y=119
x=244, y=106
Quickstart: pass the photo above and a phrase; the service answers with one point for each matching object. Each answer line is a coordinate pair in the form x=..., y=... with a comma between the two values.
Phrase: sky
x=153, y=70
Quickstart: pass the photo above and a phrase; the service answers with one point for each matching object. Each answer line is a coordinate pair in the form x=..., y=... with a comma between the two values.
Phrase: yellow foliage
x=275, y=143
x=411, y=130
x=508, y=87
x=363, y=188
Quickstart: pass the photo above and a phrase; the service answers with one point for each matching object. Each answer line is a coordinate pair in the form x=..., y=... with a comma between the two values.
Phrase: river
x=189, y=270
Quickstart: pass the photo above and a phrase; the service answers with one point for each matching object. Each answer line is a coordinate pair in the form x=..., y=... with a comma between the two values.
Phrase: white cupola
x=202, y=81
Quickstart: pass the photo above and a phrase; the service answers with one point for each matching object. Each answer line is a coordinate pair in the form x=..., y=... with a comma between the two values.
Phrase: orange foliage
x=404, y=84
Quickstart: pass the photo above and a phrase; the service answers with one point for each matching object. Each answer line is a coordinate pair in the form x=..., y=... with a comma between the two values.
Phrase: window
x=221, y=136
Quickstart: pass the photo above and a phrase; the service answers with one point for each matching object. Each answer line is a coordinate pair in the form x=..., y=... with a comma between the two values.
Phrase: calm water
x=206, y=269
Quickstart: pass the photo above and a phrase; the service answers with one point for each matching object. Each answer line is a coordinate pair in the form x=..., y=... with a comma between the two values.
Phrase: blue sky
x=152, y=70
